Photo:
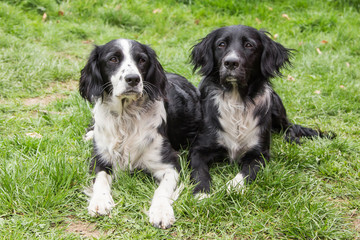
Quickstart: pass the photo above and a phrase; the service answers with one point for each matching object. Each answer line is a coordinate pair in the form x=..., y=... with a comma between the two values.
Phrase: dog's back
x=183, y=111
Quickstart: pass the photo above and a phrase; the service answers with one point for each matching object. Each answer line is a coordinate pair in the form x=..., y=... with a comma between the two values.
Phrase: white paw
x=236, y=184
x=100, y=205
x=161, y=214
x=89, y=135
x=201, y=196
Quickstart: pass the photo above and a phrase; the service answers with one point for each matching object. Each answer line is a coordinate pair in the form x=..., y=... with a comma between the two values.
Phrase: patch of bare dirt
x=68, y=86
x=55, y=91
x=357, y=224
x=43, y=101
x=355, y=218
x=83, y=229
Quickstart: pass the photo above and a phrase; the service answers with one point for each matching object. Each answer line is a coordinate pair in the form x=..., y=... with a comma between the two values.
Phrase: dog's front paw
x=161, y=214
x=89, y=135
x=200, y=196
x=101, y=205
x=236, y=184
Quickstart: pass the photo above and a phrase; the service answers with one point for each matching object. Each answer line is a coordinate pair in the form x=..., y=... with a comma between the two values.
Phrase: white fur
x=89, y=135
x=128, y=137
x=128, y=66
x=240, y=127
x=232, y=54
x=201, y=196
x=101, y=201
x=237, y=184
x=125, y=130
x=161, y=213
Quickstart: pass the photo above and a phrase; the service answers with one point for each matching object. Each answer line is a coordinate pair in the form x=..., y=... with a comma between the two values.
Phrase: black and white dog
x=240, y=108
x=141, y=116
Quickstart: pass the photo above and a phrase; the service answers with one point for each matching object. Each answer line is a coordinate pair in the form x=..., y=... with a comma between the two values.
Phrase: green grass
x=311, y=191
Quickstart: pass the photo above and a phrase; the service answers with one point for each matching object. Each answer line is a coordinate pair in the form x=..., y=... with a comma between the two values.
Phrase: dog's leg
x=101, y=201
x=279, y=119
x=200, y=172
x=251, y=164
x=161, y=213
x=293, y=132
x=200, y=159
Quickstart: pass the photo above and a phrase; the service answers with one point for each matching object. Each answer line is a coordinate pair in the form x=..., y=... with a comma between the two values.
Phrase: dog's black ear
x=155, y=78
x=91, y=82
x=202, y=55
x=274, y=57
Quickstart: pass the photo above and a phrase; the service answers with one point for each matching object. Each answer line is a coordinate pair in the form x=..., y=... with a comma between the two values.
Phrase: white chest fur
x=240, y=127
x=127, y=138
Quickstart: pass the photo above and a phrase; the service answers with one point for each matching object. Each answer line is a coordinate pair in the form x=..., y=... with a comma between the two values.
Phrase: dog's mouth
x=237, y=75
x=231, y=79
x=130, y=94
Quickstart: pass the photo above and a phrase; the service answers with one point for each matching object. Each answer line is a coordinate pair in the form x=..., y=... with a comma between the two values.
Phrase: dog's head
x=122, y=69
x=239, y=54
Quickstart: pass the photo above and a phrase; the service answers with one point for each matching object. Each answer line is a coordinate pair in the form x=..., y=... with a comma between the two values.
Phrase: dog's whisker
x=149, y=90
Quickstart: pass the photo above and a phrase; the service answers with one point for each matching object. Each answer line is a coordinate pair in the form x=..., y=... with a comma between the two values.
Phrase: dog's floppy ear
x=91, y=82
x=202, y=55
x=155, y=77
x=274, y=57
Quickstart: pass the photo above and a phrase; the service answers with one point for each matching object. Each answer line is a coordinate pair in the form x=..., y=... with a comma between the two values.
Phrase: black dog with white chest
x=141, y=116
x=240, y=108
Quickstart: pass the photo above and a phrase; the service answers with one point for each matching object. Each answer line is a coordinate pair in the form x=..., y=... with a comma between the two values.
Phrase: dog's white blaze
x=128, y=66
x=232, y=54
x=240, y=127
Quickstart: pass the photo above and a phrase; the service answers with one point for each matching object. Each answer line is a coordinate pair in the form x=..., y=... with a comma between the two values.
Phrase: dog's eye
x=142, y=60
x=221, y=45
x=114, y=60
x=248, y=45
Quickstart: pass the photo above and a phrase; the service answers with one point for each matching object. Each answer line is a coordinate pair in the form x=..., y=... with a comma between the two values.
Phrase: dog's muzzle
x=231, y=72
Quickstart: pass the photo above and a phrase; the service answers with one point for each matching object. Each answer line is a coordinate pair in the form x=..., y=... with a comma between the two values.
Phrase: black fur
x=94, y=80
x=243, y=59
x=181, y=98
x=184, y=111
x=141, y=117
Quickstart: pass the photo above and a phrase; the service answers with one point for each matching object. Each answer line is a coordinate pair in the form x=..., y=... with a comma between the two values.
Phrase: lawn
x=307, y=191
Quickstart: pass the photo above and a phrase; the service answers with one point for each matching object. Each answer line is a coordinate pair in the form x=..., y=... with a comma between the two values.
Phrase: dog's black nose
x=132, y=79
x=231, y=63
